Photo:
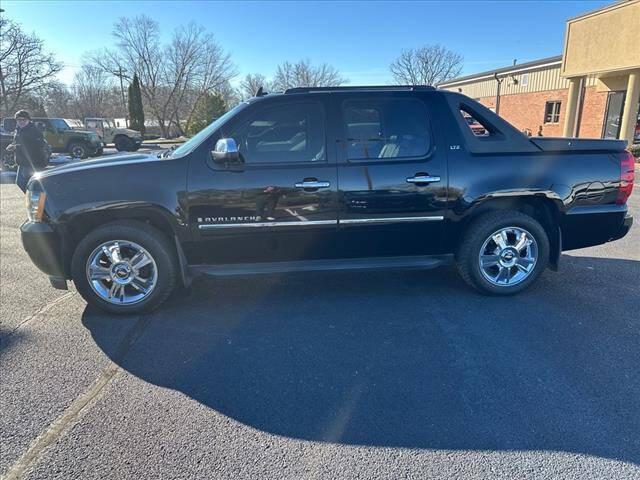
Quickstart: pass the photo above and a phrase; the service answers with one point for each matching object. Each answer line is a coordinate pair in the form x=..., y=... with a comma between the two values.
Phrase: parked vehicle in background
x=329, y=179
x=8, y=159
x=124, y=139
x=62, y=138
x=74, y=123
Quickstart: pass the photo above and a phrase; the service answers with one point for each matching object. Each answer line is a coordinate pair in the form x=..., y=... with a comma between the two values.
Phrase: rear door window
x=385, y=129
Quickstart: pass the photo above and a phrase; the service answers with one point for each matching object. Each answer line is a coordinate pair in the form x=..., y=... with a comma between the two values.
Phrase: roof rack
x=364, y=87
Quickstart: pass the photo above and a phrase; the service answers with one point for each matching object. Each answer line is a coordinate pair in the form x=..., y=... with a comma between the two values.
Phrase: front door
x=613, y=116
x=278, y=202
x=392, y=178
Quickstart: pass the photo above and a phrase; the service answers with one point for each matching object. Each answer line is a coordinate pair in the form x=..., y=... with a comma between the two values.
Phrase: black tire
x=124, y=144
x=78, y=150
x=480, y=230
x=152, y=240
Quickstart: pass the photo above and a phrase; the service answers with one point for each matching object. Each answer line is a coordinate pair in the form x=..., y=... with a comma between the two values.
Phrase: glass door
x=613, y=115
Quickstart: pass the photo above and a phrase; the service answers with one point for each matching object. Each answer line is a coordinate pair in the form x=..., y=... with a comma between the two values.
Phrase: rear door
x=279, y=203
x=392, y=176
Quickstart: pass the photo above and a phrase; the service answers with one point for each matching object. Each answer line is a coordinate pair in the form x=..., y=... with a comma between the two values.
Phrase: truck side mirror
x=225, y=151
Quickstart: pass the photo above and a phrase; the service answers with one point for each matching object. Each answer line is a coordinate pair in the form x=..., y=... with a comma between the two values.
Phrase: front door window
x=290, y=134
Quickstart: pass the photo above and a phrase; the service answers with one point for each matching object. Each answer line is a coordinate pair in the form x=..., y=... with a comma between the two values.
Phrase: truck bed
x=560, y=144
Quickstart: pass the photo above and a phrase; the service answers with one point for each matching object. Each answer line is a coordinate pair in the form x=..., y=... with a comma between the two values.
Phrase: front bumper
x=624, y=228
x=96, y=147
x=44, y=246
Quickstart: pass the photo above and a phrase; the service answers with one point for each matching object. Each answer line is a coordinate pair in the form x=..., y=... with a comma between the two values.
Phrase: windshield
x=59, y=124
x=199, y=137
x=73, y=123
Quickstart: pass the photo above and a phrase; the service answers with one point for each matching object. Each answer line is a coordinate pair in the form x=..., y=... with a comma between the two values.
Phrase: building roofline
x=611, y=6
x=557, y=59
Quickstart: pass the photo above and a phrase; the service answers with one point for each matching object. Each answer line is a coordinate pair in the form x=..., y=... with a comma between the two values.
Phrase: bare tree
x=230, y=95
x=251, y=83
x=173, y=77
x=25, y=66
x=91, y=89
x=428, y=65
x=303, y=74
x=200, y=67
x=58, y=100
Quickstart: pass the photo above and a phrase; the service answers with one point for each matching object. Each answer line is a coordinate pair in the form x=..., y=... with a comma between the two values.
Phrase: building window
x=552, y=112
x=524, y=80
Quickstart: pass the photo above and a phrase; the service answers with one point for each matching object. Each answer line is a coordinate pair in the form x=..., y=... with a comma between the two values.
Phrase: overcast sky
x=360, y=39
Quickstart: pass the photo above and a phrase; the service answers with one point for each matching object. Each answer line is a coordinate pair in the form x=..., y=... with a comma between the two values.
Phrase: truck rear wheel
x=125, y=268
x=124, y=144
x=503, y=252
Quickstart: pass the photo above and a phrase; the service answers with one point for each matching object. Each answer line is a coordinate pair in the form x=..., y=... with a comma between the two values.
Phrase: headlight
x=35, y=205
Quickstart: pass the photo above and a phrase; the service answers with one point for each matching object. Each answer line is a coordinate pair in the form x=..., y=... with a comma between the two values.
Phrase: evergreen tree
x=208, y=108
x=136, y=112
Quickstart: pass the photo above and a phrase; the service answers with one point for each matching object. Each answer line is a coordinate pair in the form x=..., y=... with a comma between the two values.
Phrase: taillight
x=626, y=178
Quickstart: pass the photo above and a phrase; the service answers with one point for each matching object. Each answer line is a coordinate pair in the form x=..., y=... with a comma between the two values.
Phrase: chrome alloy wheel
x=508, y=256
x=121, y=272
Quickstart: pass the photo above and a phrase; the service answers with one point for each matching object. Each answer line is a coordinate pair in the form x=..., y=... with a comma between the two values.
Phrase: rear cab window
x=385, y=128
x=476, y=127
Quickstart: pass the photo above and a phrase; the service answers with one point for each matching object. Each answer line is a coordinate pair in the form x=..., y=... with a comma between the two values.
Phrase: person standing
x=29, y=147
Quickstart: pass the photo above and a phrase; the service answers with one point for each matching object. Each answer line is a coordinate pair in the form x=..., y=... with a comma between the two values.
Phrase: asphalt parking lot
x=337, y=375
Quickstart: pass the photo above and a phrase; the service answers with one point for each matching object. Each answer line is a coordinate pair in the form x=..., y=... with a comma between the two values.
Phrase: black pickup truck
x=329, y=179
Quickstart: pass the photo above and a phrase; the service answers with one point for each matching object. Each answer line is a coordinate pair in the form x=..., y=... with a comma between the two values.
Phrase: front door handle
x=422, y=178
x=312, y=184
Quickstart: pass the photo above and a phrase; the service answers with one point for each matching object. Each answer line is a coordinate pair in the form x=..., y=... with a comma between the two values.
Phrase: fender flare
x=76, y=224
x=555, y=208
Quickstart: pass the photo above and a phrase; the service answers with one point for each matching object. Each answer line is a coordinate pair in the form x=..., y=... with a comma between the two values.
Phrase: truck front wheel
x=125, y=268
x=503, y=252
x=78, y=150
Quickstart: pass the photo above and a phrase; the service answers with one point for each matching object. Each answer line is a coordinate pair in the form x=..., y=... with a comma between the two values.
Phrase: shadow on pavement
x=409, y=359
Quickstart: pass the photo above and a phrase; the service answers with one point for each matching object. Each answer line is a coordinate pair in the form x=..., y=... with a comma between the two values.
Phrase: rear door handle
x=423, y=179
x=312, y=184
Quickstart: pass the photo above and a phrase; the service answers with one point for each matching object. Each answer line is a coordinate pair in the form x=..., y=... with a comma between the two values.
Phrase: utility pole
x=120, y=74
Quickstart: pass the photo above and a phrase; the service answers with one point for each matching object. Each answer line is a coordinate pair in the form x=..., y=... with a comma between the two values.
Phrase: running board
x=375, y=263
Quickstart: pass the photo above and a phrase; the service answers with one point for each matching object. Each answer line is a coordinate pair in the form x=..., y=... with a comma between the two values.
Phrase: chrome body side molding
x=346, y=221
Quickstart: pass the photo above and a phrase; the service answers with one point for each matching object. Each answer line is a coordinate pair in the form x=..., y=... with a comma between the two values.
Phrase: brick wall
x=526, y=111
x=593, y=109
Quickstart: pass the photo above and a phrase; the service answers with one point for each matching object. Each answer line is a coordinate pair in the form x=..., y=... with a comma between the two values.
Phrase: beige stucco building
x=591, y=90
x=606, y=44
